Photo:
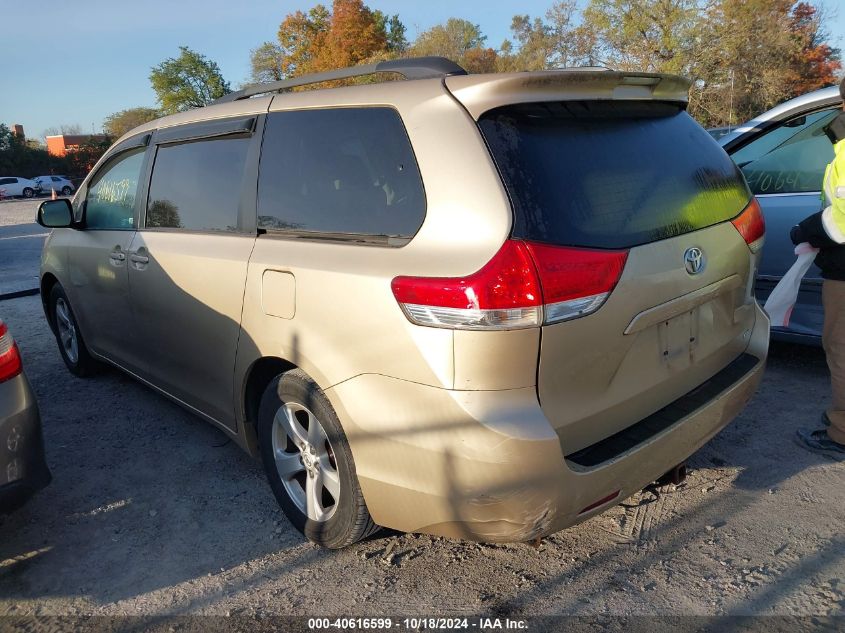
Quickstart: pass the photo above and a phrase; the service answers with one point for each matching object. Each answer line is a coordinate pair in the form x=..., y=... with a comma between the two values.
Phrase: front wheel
x=309, y=464
x=28, y=193
x=71, y=344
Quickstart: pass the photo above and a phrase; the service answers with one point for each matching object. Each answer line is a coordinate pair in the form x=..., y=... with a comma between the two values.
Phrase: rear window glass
x=340, y=171
x=610, y=174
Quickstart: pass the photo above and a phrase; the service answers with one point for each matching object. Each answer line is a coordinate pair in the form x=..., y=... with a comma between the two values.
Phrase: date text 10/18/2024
x=417, y=624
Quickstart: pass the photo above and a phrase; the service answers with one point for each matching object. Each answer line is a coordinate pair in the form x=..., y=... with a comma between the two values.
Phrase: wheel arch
x=257, y=377
x=48, y=281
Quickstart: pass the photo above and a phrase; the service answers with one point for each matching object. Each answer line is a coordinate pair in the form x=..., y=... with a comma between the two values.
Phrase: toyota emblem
x=694, y=260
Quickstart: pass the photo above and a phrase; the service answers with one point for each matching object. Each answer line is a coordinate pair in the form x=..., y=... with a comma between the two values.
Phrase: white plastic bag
x=780, y=303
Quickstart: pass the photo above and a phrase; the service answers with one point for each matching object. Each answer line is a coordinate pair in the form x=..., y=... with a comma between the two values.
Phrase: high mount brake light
x=10, y=359
x=751, y=225
x=525, y=284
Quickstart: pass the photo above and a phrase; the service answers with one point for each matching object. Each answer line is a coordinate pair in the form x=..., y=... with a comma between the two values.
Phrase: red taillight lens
x=504, y=294
x=10, y=359
x=751, y=225
x=575, y=281
x=525, y=285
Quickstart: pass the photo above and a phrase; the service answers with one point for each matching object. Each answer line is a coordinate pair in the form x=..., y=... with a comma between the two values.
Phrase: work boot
x=819, y=441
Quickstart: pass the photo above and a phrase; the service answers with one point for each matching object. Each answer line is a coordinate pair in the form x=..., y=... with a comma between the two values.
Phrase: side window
x=344, y=170
x=56, y=179
x=790, y=158
x=197, y=185
x=7, y=181
x=110, y=203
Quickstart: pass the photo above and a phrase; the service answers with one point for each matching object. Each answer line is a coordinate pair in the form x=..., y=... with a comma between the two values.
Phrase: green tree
x=736, y=77
x=187, y=81
x=119, y=123
x=459, y=40
x=646, y=35
x=556, y=41
x=267, y=63
x=394, y=31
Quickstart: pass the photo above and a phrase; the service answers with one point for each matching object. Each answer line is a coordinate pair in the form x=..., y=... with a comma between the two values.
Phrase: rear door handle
x=139, y=259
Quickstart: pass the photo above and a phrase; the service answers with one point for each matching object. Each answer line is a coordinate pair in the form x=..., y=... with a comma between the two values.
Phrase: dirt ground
x=154, y=512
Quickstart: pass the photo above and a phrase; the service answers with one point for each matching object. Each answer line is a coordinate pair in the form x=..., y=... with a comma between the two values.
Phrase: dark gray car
x=783, y=154
x=23, y=469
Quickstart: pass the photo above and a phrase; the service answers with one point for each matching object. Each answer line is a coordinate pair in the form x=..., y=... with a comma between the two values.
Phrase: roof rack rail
x=411, y=68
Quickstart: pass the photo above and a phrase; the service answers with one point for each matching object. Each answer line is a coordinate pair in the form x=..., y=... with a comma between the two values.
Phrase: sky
x=75, y=62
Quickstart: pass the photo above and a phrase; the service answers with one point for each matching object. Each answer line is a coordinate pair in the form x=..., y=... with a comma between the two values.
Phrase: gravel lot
x=154, y=512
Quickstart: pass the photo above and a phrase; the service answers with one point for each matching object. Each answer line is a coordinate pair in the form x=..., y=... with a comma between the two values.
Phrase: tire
x=292, y=399
x=28, y=192
x=66, y=191
x=68, y=336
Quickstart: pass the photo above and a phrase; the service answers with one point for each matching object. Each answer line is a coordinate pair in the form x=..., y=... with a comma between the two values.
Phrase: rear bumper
x=488, y=466
x=23, y=468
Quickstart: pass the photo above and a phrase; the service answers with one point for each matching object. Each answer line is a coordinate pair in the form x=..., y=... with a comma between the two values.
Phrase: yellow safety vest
x=833, y=195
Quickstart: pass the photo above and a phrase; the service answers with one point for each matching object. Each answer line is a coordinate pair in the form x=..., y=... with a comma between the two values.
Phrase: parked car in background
x=393, y=299
x=59, y=184
x=23, y=468
x=18, y=187
x=783, y=154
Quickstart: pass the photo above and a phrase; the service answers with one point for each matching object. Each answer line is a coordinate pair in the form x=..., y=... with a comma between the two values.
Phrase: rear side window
x=343, y=172
x=610, y=174
x=197, y=185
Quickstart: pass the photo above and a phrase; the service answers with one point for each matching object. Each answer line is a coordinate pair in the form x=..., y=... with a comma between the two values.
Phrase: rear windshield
x=610, y=174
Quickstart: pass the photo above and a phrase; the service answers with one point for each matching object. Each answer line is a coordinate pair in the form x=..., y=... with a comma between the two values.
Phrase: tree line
x=743, y=56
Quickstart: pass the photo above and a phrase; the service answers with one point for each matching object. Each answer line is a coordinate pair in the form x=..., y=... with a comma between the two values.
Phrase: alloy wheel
x=305, y=461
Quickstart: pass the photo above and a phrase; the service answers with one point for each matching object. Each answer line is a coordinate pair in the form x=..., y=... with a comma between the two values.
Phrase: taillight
x=751, y=225
x=575, y=281
x=10, y=359
x=526, y=284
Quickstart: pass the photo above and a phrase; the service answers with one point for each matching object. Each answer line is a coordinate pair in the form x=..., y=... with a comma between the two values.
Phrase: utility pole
x=731, y=108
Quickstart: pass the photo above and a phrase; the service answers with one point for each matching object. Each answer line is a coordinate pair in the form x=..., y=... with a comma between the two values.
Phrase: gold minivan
x=478, y=306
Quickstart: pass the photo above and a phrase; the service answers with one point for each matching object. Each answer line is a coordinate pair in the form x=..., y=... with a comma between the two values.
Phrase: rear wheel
x=28, y=192
x=71, y=344
x=309, y=464
x=66, y=191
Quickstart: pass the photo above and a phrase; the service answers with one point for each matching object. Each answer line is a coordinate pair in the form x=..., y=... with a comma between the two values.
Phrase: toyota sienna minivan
x=478, y=306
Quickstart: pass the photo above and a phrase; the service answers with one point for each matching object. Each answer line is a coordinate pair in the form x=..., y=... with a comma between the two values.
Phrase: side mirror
x=55, y=214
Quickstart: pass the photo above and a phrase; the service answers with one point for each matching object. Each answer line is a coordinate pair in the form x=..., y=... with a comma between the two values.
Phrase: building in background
x=61, y=144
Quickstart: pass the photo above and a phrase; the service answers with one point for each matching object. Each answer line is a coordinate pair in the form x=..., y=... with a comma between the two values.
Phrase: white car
x=59, y=184
x=12, y=186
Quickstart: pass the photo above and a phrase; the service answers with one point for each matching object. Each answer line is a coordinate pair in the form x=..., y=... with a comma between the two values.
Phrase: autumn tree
x=815, y=63
x=319, y=40
x=353, y=37
x=188, y=81
x=119, y=123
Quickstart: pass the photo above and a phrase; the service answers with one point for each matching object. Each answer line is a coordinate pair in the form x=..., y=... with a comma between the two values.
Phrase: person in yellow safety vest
x=825, y=230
